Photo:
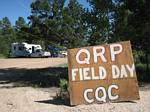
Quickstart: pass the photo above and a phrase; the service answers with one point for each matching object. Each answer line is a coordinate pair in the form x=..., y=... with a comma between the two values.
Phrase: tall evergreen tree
x=99, y=21
x=7, y=36
x=73, y=25
x=132, y=23
x=140, y=23
x=21, y=30
x=20, y=23
x=56, y=24
x=43, y=20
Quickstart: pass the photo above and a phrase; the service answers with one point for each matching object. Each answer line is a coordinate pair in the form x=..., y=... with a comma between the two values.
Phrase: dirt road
x=30, y=63
x=28, y=99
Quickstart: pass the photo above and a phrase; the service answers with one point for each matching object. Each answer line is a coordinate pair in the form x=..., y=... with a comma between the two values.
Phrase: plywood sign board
x=104, y=73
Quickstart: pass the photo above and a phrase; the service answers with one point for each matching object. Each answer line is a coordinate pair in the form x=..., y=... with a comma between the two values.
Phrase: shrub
x=63, y=85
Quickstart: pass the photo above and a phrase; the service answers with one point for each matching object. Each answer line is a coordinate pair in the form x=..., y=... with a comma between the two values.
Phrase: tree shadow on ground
x=46, y=77
x=56, y=101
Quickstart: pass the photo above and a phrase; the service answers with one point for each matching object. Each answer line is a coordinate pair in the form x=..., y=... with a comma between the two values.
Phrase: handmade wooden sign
x=99, y=74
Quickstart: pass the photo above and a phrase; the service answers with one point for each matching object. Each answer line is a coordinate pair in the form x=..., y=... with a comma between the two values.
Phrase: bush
x=63, y=85
x=2, y=56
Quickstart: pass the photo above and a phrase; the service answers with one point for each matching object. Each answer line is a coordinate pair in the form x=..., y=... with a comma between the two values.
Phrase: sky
x=16, y=8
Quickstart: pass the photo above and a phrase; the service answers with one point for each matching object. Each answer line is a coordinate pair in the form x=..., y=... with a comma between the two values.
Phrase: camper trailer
x=28, y=50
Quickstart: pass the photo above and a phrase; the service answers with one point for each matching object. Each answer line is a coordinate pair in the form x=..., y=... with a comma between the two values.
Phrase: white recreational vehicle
x=28, y=50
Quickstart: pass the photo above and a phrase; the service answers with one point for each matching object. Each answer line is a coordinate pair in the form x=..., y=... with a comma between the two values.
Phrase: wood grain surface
x=127, y=83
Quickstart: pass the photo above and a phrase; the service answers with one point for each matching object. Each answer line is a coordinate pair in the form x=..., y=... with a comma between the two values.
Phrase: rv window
x=37, y=50
x=20, y=48
x=33, y=49
x=14, y=47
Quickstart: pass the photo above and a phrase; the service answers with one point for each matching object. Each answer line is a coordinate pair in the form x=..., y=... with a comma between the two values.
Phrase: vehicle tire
x=40, y=55
x=64, y=55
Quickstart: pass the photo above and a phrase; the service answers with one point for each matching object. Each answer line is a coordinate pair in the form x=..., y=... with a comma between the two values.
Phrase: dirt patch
x=34, y=72
x=28, y=99
x=13, y=98
x=31, y=63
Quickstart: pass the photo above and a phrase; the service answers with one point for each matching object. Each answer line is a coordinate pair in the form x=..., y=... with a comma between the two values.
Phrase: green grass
x=141, y=66
x=63, y=65
x=45, y=77
x=142, y=74
x=2, y=56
